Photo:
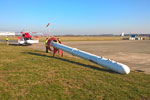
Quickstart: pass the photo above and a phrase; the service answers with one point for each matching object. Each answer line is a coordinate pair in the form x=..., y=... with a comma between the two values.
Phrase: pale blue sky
x=76, y=16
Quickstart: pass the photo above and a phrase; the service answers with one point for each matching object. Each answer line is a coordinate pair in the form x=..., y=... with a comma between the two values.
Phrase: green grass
x=80, y=38
x=77, y=38
x=87, y=38
x=28, y=74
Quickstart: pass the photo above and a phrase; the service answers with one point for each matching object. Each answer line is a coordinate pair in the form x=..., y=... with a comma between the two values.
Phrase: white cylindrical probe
x=110, y=64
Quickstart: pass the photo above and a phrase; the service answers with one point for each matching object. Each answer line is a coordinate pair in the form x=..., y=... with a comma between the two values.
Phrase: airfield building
x=7, y=33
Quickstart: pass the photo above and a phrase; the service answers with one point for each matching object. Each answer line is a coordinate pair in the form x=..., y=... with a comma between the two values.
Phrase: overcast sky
x=76, y=16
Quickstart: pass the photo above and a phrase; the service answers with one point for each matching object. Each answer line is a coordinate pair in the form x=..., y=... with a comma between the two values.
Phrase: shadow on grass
x=15, y=44
x=70, y=61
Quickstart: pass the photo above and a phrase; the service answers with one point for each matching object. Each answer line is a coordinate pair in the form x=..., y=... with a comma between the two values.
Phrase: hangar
x=7, y=33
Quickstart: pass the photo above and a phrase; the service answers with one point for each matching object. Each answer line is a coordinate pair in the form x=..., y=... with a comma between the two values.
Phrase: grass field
x=28, y=74
x=86, y=38
x=81, y=38
x=76, y=38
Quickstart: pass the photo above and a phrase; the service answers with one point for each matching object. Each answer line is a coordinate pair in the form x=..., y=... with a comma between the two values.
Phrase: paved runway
x=135, y=54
